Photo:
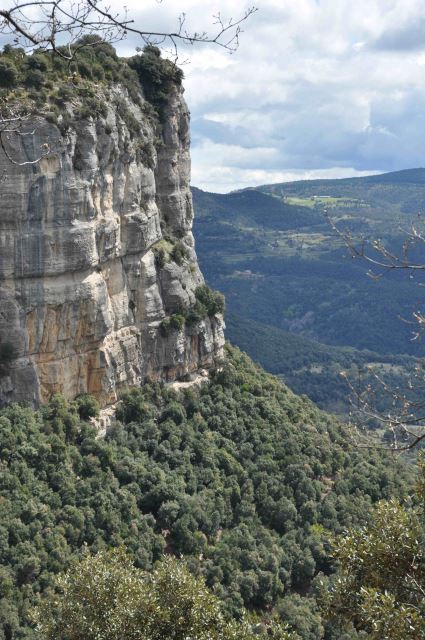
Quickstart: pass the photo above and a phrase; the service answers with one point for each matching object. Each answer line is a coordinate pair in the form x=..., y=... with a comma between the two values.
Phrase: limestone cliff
x=96, y=252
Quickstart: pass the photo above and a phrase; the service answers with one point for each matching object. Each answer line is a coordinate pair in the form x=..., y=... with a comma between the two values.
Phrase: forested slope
x=281, y=264
x=296, y=300
x=319, y=371
x=240, y=476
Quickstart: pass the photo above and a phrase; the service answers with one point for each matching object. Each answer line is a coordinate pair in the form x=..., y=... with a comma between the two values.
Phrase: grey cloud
x=407, y=37
x=334, y=87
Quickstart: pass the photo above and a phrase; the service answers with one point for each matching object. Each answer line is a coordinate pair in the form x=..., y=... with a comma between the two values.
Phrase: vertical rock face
x=96, y=251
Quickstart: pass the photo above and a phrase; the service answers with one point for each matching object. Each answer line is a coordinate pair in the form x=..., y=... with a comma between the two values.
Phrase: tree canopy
x=380, y=583
x=104, y=597
x=242, y=477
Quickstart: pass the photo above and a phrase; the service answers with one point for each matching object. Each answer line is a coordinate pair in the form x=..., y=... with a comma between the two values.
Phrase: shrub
x=175, y=412
x=213, y=301
x=38, y=61
x=175, y=322
x=157, y=76
x=160, y=257
x=8, y=74
x=88, y=406
x=85, y=69
x=195, y=313
x=65, y=94
x=133, y=407
x=179, y=253
x=106, y=598
x=34, y=78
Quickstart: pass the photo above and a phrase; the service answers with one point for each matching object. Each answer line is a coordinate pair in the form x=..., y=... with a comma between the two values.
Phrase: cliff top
x=45, y=79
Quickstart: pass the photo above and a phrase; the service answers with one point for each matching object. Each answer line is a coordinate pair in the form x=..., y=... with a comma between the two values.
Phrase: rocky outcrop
x=96, y=250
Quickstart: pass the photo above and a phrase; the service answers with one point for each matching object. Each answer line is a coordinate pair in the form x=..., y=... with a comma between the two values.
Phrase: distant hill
x=380, y=196
x=254, y=207
x=405, y=176
x=284, y=272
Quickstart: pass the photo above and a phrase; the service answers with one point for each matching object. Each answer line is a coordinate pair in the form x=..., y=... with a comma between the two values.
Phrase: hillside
x=315, y=369
x=383, y=197
x=281, y=266
x=241, y=476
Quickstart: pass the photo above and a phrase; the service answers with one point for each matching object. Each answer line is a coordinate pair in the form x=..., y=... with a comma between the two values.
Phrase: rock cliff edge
x=98, y=271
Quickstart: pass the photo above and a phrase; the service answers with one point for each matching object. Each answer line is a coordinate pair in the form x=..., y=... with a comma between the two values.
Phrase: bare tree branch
x=60, y=23
x=405, y=419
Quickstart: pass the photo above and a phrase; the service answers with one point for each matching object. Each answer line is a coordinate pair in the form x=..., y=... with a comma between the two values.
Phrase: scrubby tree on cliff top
x=64, y=27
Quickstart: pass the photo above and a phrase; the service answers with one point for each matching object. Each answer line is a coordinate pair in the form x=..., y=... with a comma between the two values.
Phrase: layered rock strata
x=88, y=262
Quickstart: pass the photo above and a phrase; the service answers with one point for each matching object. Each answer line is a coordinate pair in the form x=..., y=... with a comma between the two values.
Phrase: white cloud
x=222, y=179
x=314, y=82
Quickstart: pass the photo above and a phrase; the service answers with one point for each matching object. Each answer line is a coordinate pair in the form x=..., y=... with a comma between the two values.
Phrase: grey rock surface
x=82, y=292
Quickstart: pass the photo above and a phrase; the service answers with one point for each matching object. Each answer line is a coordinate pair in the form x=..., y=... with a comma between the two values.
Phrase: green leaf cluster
x=207, y=304
x=380, y=583
x=47, y=78
x=106, y=598
x=157, y=76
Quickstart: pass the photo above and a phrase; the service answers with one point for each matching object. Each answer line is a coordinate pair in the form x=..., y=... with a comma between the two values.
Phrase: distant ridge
x=273, y=254
x=405, y=176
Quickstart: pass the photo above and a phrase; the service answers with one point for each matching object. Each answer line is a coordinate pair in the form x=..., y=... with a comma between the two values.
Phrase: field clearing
x=387, y=367
x=325, y=201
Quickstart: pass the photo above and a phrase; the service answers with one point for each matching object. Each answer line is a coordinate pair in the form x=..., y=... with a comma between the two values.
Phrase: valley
x=295, y=294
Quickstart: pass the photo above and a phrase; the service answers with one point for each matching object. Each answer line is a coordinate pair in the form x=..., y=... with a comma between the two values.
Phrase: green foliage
x=160, y=257
x=380, y=582
x=100, y=597
x=212, y=301
x=207, y=304
x=88, y=406
x=106, y=598
x=157, y=76
x=304, y=615
x=179, y=253
x=38, y=61
x=173, y=323
x=133, y=407
x=162, y=252
x=8, y=74
x=240, y=476
x=280, y=265
x=315, y=369
x=44, y=77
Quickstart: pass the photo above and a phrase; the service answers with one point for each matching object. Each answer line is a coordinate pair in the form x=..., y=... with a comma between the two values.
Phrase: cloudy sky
x=318, y=88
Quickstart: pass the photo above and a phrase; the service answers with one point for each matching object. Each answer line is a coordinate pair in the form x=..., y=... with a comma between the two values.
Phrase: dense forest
x=297, y=302
x=322, y=372
x=282, y=265
x=241, y=476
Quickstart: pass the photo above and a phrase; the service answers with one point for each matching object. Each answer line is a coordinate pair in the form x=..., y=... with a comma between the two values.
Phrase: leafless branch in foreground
x=403, y=420
x=16, y=124
x=56, y=25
